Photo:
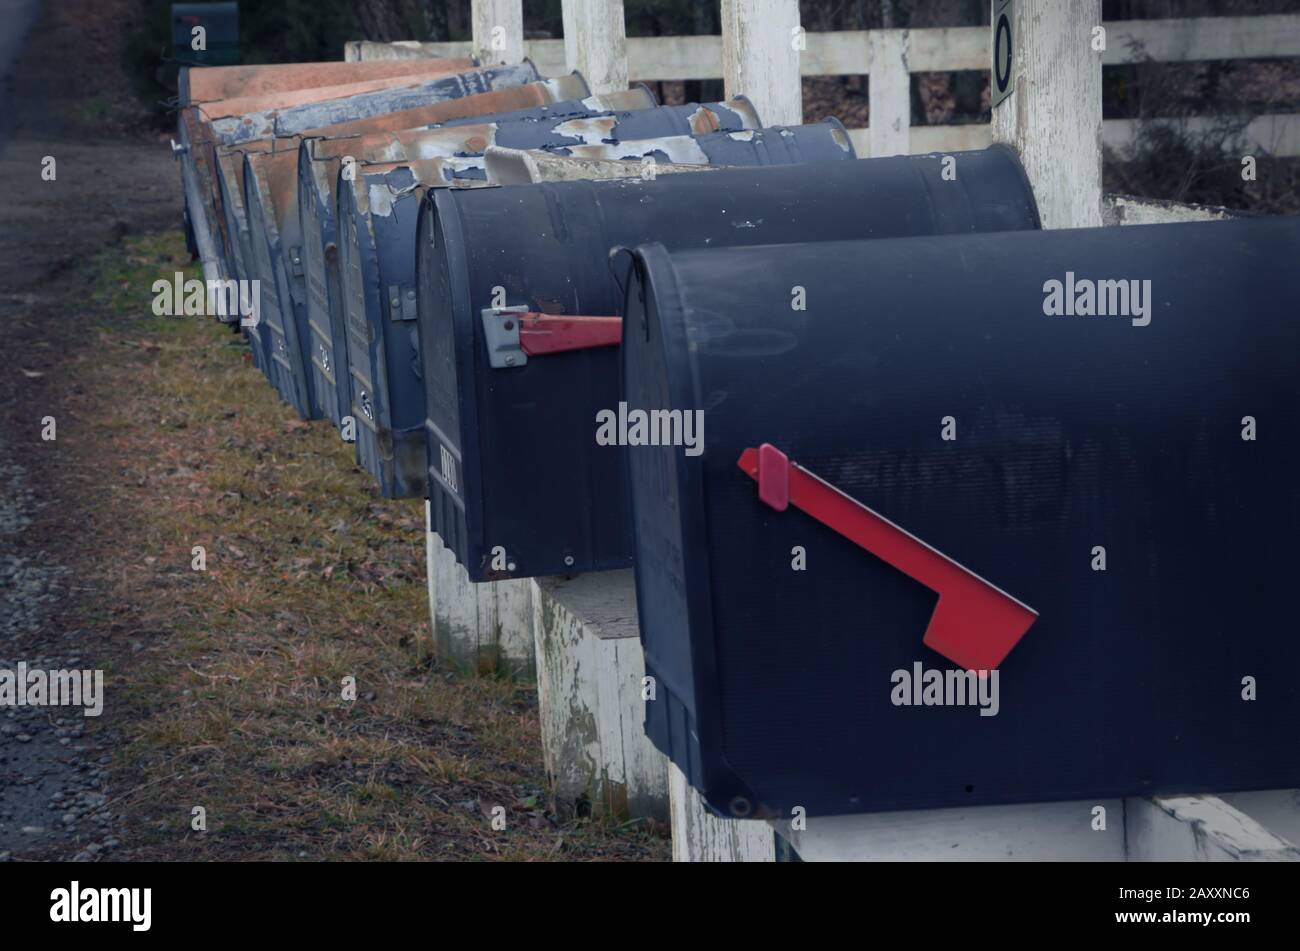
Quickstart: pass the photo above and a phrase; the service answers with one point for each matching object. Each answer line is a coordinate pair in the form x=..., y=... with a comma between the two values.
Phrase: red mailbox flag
x=974, y=625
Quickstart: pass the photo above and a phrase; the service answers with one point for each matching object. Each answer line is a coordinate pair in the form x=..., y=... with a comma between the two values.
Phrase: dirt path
x=54, y=785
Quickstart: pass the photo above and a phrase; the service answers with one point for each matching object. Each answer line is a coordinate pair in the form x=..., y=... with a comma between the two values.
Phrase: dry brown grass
x=233, y=676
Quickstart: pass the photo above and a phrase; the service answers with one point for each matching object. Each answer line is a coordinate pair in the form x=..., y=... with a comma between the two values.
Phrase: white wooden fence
x=889, y=56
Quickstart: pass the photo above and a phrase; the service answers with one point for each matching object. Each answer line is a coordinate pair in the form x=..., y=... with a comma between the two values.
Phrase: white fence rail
x=850, y=52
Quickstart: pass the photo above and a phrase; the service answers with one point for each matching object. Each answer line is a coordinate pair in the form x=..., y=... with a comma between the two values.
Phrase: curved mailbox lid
x=469, y=108
x=780, y=145
x=547, y=246
x=596, y=126
x=227, y=82
x=527, y=166
x=780, y=688
x=287, y=99
x=294, y=119
x=621, y=100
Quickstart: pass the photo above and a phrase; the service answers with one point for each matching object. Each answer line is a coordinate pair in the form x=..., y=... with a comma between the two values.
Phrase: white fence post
x=589, y=697
x=889, y=93
x=700, y=836
x=1052, y=117
x=498, y=31
x=1199, y=829
x=479, y=628
x=595, y=43
x=761, y=42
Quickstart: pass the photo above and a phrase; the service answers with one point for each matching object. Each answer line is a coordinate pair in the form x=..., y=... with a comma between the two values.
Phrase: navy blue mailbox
x=513, y=460
x=377, y=212
x=1066, y=459
x=271, y=204
x=324, y=307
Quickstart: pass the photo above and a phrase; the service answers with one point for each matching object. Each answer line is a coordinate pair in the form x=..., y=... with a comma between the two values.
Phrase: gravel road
x=55, y=802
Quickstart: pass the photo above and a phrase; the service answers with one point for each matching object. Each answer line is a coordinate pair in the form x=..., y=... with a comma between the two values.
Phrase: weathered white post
x=700, y=836
x=889, y=93
x=590, y=697
x=483, y=628
x=595, y=43
x=761, y=42
x=497, y=29
x=1046, y=66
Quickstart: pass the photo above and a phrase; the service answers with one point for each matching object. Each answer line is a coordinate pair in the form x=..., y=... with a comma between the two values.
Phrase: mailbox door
x=328, y=363
x=1101, y=471
x=230, y=179
x=286, y=258
x=359, y=280
x=279, y=348
x=398, y=456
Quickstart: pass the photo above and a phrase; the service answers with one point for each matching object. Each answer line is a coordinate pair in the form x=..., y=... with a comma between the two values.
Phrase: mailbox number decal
x=1003, y=84
x=448, y=467
x=974, y=624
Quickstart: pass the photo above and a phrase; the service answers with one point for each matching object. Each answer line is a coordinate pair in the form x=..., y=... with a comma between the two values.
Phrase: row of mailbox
x=899, y=422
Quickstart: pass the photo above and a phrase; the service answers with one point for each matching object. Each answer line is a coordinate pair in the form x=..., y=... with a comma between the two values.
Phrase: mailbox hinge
x=514, y=334
x=974, y=623
x=295, y=261
x=401, y=302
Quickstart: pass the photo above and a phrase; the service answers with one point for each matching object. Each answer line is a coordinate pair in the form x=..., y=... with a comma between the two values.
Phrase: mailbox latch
x=514, y=334
x=501, y=331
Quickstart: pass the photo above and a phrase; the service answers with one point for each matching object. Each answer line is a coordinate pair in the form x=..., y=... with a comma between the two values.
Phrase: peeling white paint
x=381, y=200
x=524, y=166
x=680, y=150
